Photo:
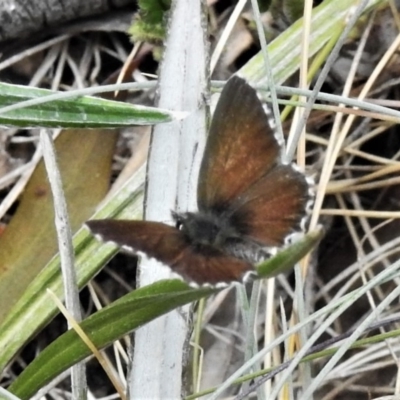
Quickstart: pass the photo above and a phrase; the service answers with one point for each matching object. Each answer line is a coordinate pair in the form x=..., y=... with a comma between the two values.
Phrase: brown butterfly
x=248, y=200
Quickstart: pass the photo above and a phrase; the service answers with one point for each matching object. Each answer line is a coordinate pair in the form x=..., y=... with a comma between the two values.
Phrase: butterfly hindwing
x=274, y=207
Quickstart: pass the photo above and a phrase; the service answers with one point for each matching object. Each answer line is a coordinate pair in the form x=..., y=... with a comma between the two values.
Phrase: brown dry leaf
x=29, y=241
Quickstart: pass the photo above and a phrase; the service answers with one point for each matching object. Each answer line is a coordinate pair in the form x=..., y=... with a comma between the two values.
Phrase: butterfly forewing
x=170, y=246
x=155, y=239
x=240, y=149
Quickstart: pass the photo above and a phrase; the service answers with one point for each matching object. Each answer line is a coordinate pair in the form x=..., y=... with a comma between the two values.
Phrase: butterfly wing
x=240, y=148
x=170, y=246
x=273, y=207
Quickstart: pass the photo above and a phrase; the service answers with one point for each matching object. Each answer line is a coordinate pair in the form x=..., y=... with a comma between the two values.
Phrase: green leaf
x=288, y=257
x=327, y=20
x=82, y=112
x=103, y=328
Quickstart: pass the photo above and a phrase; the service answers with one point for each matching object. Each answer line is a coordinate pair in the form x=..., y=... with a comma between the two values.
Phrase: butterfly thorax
x=209, y=233
x=206, y=229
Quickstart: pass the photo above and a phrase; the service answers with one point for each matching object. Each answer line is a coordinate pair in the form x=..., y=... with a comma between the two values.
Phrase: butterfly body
x=249, y=201
x=206, y=230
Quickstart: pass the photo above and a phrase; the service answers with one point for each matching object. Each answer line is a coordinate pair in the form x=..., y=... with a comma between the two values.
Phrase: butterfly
x=249, y=201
